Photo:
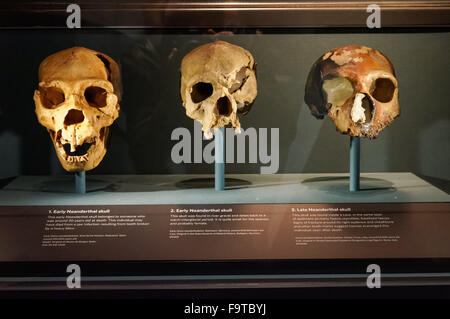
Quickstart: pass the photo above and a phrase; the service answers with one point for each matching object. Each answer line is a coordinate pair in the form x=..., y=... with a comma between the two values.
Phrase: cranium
x=356, y=87
x=217, y=81
x=77, y=101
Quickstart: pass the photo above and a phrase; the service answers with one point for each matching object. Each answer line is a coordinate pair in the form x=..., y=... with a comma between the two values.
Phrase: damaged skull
x=356, y=87
x=217, y=81
x=77, y=100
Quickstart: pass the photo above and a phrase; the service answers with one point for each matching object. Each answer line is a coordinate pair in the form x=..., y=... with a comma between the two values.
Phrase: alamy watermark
x=74, y=279
x=374, y=279
x=189, y=149
x=74, y=19
x=374, y=19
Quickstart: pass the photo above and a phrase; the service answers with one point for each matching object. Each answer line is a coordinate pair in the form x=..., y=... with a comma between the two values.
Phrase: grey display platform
x=199, y=189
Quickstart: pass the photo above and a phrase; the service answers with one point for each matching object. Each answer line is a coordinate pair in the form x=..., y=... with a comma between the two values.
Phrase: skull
x=77, y=101
x=217, y=81
x=356, y=87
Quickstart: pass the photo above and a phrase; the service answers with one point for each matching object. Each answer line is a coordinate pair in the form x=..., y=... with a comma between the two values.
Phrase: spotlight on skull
x=356, y=87
x=77, y=101
x=218, y=81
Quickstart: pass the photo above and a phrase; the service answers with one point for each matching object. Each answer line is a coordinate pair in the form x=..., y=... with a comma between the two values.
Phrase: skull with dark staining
x=356, y=87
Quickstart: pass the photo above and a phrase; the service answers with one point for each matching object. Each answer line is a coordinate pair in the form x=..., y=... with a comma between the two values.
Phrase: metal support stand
x=219, y=168
x=80, y=182
x=354, y=163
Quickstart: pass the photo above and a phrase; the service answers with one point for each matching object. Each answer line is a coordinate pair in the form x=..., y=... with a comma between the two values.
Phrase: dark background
x=417, y=141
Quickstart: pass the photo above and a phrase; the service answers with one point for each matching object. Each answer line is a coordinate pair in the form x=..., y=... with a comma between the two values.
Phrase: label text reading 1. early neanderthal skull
x=66, y=227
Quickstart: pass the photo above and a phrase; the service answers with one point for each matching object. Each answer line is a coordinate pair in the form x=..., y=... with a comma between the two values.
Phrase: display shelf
x=241, y=189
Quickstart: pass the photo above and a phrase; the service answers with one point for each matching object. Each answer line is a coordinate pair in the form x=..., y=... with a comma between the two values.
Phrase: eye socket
x=201, y=91
x=383, y=90
x=51, y=97
x=337, y=90
x=95, y=96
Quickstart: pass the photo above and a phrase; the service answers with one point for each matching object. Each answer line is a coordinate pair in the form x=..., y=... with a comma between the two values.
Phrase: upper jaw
x=74, y=153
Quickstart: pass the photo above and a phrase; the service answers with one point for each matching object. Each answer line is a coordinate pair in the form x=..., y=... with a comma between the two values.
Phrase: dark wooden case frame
x=224, y=14
x=163, y=15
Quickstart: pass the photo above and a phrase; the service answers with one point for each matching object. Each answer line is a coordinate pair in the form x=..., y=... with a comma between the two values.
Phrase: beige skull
x=356, y=87
x=217, y=81
x=77, y=100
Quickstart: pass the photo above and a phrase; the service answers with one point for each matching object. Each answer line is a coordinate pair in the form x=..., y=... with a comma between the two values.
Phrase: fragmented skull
x=77, y=101
x=217, y=81
x=356, y=87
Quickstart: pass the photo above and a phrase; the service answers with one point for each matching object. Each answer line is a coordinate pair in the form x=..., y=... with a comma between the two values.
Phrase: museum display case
x=189, y=144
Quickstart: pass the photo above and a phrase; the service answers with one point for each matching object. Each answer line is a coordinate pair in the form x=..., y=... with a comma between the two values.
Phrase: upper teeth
x=76, y=159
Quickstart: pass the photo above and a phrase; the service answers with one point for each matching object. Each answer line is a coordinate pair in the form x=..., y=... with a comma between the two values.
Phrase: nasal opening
x=73, y=117
x=224, y=106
